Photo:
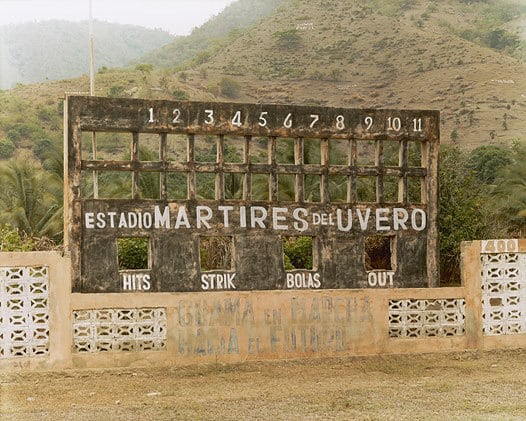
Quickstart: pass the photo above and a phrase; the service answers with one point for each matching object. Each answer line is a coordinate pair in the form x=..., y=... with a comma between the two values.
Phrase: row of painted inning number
x=391, y=123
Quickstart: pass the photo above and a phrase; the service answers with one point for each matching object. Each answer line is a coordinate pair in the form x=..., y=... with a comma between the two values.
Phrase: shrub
x=297, y=252
x=229, y=87
x=132, y=253
x=41, y=148
x=289, y=39
x=7, y=147
x=116, y=90
x=180, y=94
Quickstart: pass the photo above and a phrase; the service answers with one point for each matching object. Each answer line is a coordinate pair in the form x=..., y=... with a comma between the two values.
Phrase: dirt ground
x=467, y=385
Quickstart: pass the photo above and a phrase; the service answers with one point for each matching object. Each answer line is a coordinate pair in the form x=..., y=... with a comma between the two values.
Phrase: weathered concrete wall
x=122, y=329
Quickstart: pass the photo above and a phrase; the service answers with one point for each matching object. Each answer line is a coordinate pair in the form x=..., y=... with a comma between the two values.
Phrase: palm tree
x=511, y=191
x=30, y=199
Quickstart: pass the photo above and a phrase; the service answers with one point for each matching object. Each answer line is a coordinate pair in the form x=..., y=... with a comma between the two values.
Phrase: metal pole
x=92, y=92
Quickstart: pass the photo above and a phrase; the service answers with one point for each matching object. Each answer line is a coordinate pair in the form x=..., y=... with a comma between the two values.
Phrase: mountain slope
x=462, y=58
x=360, y=54
x=213, y=33
x=34, y=52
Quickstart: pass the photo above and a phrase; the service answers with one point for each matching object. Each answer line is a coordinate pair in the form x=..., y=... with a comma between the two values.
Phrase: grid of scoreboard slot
x=166, y=166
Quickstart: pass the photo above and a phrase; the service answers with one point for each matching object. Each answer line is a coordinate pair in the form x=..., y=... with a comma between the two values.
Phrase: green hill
x=464, y=58
x=52, y=50
x=209, y=37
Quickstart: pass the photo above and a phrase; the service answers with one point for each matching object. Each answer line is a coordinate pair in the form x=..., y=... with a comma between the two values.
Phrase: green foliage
x=7, y=147
x=12, y=240
x=288, y=39
x=30, y=199
x=229, y=87
x=41, y=148
x=297, y=252
x=115, y=91
x=462, y=210
x=27, y=130
x=500, y=39
x=510, y=191
x=486, y=161
x=132, y=252
x=180, y=95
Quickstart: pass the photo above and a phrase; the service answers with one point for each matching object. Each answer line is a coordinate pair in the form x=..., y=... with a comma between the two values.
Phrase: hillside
x=358, y=54
x=210, y=36
x=462, y=58
x=52, y=50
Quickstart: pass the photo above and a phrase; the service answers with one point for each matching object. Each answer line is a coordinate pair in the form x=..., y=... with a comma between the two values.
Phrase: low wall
x=44, y=326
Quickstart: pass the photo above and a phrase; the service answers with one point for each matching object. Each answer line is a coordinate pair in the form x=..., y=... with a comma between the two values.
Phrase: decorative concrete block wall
x=24, y=311
x=503, y=288
x=45, y=326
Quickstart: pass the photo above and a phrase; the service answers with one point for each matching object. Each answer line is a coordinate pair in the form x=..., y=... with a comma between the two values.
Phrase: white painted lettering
x=258, y=220
x=339, y=220
x=225, y=210
x=302, y=280
x=89, y=220
x=363, y=220
x=132, y=220
x=415, y=223
x=217, y=281
x=101, y=222
x=122, y=221
x=382, y=218
x=242, y=216
x=380, y=278
x=112, y=219
x=400, y=217
x=161, y=219
x=277, y=218
x=300, y=224
x=147, y=220
x=203, y=219
x=182, y=218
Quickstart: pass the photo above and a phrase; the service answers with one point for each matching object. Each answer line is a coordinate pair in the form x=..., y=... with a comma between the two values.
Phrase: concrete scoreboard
x=211, y=196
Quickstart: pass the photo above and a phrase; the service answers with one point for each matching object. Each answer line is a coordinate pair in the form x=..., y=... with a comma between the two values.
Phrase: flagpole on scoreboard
x=92, y=93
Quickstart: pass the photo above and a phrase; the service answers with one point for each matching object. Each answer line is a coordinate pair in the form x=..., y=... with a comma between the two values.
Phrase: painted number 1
x=417, y=124
x=151, y=120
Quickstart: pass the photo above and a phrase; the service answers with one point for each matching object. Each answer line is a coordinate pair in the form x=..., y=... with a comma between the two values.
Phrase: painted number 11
x=417, y=124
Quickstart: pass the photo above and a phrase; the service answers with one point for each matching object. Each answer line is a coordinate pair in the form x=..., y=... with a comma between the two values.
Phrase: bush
x=297, y=252
x=289, y=39
x=229, y=87
x=41, y=148
x=7, y=147
x=132, y=253
x=11, y=239
x=180, y=95
x=116, y=90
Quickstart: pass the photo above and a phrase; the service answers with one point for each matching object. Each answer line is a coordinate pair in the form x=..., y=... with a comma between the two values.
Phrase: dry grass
x=468, y=385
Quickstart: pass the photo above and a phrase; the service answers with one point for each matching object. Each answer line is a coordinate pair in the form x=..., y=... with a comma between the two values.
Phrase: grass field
x=467, y=385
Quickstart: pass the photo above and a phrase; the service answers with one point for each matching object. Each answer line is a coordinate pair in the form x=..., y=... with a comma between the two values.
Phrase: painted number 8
x=340, y=122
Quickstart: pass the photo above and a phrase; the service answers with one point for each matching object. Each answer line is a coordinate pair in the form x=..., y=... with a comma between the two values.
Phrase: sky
x=178, y=17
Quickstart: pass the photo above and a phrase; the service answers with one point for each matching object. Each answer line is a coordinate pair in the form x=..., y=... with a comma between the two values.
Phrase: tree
x=30, y=199
x=463, y=213
x=487, y=160
x=510, y=191
x=289, y=39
